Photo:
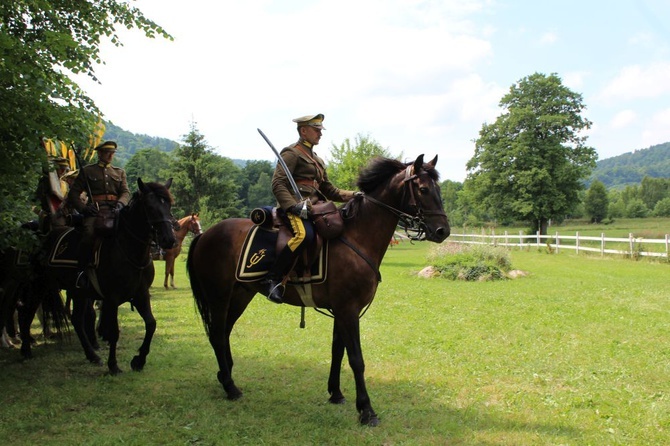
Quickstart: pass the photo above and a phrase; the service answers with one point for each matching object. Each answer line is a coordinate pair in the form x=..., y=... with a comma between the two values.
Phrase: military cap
x=109, y=146
x=315, y=121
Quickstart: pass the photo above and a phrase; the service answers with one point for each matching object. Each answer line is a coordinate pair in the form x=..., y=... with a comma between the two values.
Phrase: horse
x=190, y=223
x=124, y=271
x=390, y=191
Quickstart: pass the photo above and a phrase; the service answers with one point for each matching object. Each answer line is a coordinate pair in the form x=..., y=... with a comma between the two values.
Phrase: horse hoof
x=337, y=400
x=137, y=364
x=96, y=361
x=369, y=418
x=115, y=371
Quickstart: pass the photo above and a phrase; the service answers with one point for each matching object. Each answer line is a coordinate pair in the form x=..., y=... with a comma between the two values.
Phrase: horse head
x=157, y=202
x=194, y=224
x=423, y=200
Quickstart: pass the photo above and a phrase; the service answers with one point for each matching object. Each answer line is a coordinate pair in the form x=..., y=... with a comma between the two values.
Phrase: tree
x=42, y=44
x=148, y=164
x=348, y=159
x=662, y=208
x=596, y=202
x=256, y=189
x=204, y=182
x=529, y=164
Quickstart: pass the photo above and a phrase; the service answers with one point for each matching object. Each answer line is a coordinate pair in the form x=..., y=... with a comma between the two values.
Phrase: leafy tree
x=42, y=44
x=596, y=201
x=260, y=193
x=662, y=208
x=256, y=189
x=636, y=209
x=148, y=164
x=204, y=182
x=652, y=190
x=529, y=164
x=347, y=159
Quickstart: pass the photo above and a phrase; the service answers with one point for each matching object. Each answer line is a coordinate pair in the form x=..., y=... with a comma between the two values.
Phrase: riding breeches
x=303, y=233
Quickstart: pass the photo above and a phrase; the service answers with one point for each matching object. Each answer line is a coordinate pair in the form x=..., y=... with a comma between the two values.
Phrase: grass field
x=574, y=354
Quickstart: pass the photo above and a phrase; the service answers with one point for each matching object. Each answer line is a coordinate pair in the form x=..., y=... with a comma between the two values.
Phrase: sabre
x=82, y=172
x=296, y=190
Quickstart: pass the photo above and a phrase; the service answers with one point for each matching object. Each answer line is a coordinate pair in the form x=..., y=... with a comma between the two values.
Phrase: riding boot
x=85, y=256
x=275, y=278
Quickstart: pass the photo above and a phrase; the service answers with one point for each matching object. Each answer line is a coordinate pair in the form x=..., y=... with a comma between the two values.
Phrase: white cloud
x=637, y=81
x=658, y=129
x=623, y=119
x=548, y=38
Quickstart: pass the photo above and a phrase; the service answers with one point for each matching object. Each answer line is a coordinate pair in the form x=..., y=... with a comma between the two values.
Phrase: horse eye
x=424, y=190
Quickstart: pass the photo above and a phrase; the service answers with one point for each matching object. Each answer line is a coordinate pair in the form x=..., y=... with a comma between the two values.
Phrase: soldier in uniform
x=108, y=188
x=309, y=172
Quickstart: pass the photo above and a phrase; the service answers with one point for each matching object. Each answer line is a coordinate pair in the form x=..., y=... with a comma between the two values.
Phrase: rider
x=108, y=188
x=309, y=172
x=51, y=192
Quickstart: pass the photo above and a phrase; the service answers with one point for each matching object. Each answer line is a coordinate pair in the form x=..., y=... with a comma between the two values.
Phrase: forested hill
x=630, y=168
x=129, y=143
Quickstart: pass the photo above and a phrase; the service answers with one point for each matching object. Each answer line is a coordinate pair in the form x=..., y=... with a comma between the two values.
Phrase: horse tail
x=55, y=313
x=196, y=287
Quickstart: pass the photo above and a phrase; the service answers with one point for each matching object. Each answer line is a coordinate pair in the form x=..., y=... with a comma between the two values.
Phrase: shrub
x=470, y=262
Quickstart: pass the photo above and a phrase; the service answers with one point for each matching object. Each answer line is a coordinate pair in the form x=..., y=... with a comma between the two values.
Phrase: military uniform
x=108, y=188
x=309, y=173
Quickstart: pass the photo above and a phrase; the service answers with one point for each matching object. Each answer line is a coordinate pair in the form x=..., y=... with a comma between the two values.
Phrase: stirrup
x=276, y=293
x=82, y=280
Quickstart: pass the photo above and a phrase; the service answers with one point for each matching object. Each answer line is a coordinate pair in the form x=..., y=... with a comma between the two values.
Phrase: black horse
x=124, y=271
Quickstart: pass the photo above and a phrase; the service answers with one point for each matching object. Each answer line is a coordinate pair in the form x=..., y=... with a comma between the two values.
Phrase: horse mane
x=379, y=170
x=158, y=189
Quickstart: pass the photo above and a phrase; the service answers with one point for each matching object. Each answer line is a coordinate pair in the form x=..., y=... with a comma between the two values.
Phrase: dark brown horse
x=124, y=272
x=190, y=223
x=391, y=191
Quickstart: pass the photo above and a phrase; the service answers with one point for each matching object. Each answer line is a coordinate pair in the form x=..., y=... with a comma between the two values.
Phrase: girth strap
x=364, y=257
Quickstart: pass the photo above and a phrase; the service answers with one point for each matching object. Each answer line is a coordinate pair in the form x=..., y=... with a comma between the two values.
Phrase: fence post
x=602, y=244
x=506, y=243
x=667, y=245
x=630, y=243
x=558, y=243
x=521, y=240
x=538, y=240
x=577, y=242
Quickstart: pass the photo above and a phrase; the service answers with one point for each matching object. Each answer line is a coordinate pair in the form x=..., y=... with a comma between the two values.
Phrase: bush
x=662, y=208
x=470, y=262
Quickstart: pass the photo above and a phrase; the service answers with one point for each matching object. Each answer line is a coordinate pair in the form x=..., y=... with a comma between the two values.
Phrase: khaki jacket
x=309, y=173
x=106, y=182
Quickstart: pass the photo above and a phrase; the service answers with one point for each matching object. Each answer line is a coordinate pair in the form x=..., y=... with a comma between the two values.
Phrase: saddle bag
x=104, y=222
x=327, y=219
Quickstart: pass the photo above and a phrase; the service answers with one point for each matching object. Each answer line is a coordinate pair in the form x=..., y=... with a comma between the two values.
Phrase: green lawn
x=574, y=354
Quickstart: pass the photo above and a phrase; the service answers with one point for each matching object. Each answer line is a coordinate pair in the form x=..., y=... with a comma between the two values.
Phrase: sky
x=415, y=76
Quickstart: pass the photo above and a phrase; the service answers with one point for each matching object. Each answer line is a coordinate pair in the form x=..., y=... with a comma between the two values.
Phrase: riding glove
x=90, y=210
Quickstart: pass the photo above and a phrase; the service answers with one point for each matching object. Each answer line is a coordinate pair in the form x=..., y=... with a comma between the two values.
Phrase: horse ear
x=141, y=185
x=433, y=162
x=418, y=164
x=168, y=183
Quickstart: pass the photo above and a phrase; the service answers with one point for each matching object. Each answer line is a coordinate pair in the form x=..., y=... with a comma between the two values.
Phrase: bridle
x=152, y=223
x=415, y=223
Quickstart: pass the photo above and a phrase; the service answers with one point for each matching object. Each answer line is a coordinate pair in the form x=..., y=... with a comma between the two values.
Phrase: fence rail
x=631, y=246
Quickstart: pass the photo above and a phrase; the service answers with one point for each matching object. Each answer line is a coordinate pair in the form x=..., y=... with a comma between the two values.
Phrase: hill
x=629, y=168
x=129, y=143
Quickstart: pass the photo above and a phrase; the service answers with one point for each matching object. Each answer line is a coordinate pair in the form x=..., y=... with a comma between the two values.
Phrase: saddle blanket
x=65, y=250
x=259, y=253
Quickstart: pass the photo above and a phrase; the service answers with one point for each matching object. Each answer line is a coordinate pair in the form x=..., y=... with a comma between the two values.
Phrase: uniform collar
x=104, y=165
x=307, y=144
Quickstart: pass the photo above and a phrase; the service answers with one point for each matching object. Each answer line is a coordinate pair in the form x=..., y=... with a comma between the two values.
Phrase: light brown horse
x=190, y=223
x=391, y=191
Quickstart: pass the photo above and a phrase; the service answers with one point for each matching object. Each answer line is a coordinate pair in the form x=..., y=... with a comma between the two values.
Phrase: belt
x=307, y=182
x=105, y=197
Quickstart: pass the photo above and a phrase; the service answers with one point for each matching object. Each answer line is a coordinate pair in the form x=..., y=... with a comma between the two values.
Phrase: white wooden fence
x=631, y=246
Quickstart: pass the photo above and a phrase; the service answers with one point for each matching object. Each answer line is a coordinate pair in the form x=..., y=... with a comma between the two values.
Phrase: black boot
x=82, y=281
x=83, y=262
x=275, y=290
x=274, y=280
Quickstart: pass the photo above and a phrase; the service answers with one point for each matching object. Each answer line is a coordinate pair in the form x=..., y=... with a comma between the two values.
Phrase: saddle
x=269, y=235
x=64, y=248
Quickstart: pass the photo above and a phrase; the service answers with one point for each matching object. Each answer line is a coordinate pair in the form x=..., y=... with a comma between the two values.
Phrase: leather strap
x=105, y=197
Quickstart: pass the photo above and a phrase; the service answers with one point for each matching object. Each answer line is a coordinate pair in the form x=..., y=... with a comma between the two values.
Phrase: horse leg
x=172, y=272
x=26, y=314
x=109, y=320
x=144, y=310
x=349, y=329
x=80, y=306
x=167, y=273
x=337, y=350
